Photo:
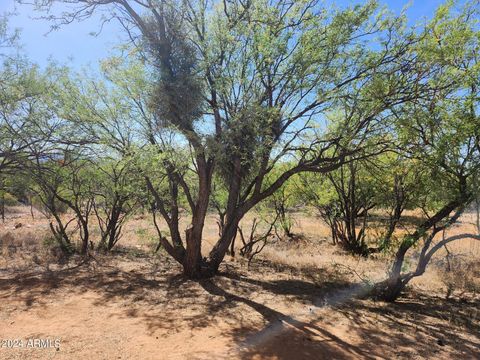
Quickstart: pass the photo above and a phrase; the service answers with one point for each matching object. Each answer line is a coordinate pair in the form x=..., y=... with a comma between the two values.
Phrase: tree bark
x=390, y=289
x=193, y=264
x=219, y=251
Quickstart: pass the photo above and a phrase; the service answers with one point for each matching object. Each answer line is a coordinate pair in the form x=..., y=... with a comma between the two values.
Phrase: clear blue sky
x=75, y=42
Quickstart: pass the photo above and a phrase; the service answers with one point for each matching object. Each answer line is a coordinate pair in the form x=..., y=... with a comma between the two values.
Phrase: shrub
x=9, y=200
x=461, y=276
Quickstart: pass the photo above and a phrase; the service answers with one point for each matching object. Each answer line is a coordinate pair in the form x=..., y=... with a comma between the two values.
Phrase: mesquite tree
x=62, y=185
x=114, y=192
x=343, y=200
x=355, y=198
x=442, y=132
x=400, y=186
x=249, y=84
x=23, y=105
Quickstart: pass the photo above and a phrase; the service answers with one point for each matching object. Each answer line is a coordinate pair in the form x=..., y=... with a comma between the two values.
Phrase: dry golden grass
x=313, y=250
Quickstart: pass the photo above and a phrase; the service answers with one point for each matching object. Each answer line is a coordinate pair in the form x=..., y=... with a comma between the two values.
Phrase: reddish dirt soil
x=135, y=305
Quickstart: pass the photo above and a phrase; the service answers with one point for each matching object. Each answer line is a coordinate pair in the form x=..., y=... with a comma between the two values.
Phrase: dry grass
x=294, y=301
x=312, y=251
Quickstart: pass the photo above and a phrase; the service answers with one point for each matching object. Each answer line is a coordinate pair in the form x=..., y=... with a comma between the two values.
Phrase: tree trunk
x=113, y=227
x=192, y=262
x=395, y=217
x=233, y=215
x=84, y=249
x=2, y=207
x=220, y=249
x=389, y=290
x=30, y=200
x=232, y=246
x=2, y=201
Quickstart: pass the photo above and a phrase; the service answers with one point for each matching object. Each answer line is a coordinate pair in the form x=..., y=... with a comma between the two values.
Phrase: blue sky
x=74, y=45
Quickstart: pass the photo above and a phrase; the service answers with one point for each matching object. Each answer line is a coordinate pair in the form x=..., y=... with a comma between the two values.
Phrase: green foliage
x=7, y=199
x=264, y=104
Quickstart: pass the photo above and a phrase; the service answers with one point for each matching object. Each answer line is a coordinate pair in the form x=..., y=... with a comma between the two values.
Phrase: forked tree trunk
x=193, y=264
x=233, y=215
x=390, y=289
x=217, y=254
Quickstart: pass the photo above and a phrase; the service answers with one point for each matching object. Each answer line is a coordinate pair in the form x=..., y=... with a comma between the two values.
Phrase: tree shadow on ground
x=278, y=324
x=427, y=324
x=256, y=307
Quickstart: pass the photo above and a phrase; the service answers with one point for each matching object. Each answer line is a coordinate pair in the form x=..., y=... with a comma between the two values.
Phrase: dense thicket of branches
x=223, y=104
x=245, y=84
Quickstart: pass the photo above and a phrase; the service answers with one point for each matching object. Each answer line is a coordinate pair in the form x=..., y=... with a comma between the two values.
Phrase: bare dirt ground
x=296, y=301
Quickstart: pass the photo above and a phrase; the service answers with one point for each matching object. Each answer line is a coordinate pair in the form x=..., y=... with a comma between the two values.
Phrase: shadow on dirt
x=254, y=306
